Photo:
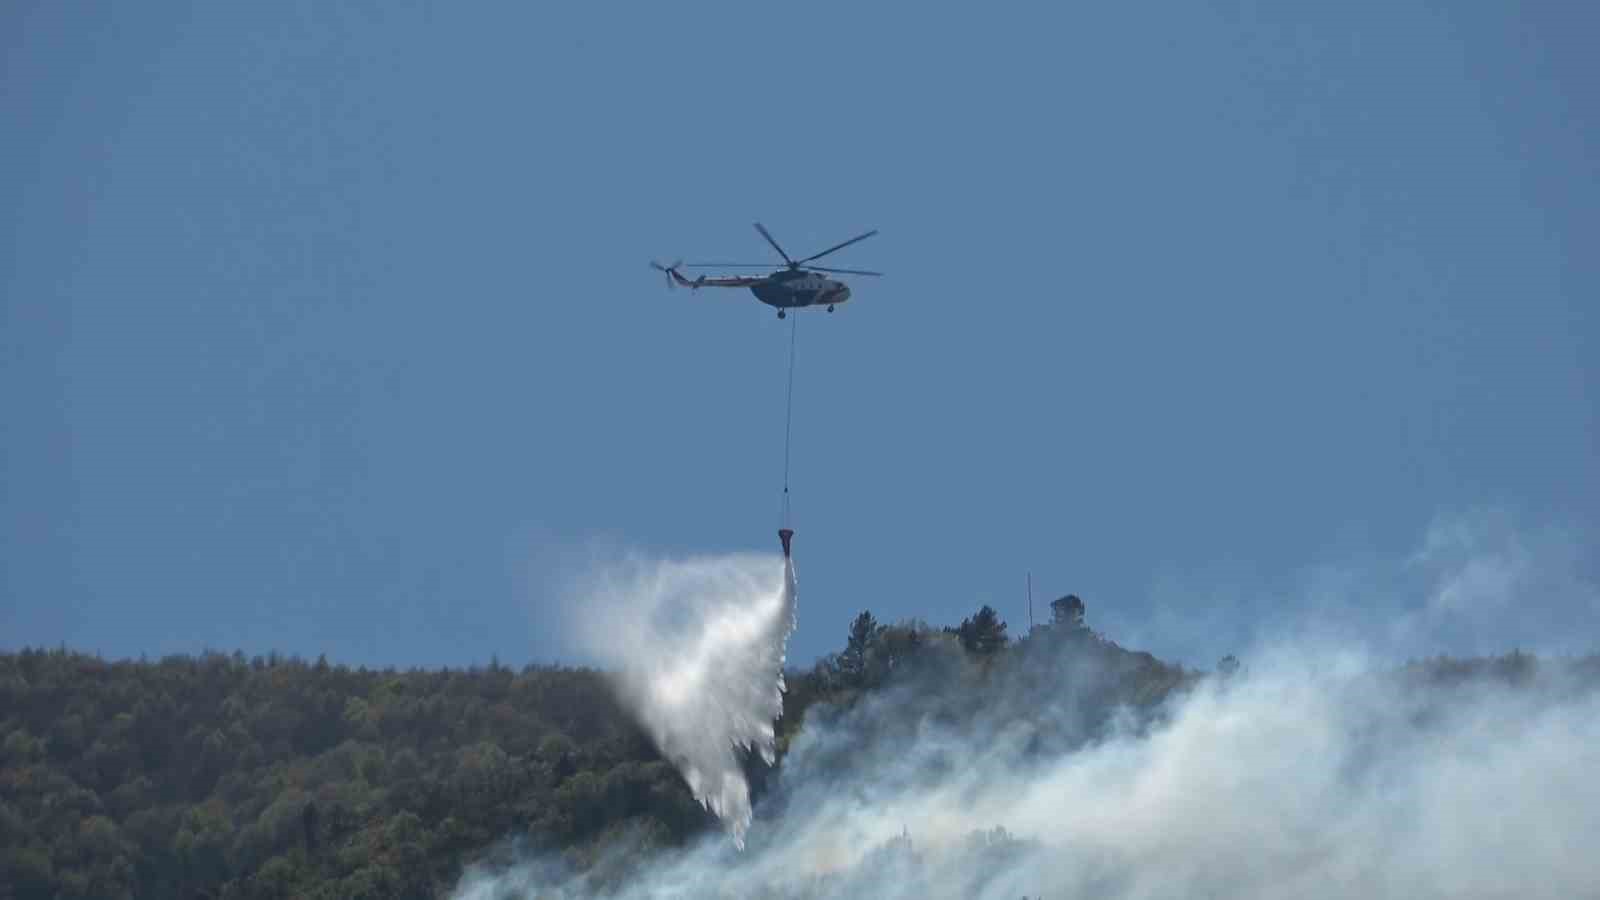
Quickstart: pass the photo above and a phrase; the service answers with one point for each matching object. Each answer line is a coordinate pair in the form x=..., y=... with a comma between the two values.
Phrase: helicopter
x=797, y=285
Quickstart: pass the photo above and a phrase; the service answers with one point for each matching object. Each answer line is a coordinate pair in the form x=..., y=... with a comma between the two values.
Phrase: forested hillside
x=225, y=776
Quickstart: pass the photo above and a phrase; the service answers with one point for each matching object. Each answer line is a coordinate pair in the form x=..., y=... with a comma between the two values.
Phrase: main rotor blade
x=774, y=244
x=731, y=266
x=840, y=246
x=845, y=271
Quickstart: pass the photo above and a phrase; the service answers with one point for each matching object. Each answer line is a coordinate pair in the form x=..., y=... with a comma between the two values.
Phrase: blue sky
x=328, y=328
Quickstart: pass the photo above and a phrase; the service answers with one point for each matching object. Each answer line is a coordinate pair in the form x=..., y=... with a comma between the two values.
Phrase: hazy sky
x=328, y=327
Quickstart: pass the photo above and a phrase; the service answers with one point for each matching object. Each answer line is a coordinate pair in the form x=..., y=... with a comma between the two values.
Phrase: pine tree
x=984, y=632
x=864, y=634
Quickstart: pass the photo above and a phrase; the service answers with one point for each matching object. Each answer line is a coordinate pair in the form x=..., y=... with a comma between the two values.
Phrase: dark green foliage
x=864, y=635
x=227, y=777
x=983, y=633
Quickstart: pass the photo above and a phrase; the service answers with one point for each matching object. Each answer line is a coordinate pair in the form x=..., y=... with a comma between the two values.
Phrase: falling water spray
x=697, y=647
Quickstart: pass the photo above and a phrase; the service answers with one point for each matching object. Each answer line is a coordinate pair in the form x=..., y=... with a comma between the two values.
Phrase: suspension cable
x=788, y=419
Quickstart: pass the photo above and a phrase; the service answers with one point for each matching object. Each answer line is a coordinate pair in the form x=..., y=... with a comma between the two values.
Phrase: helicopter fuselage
x=791, y=289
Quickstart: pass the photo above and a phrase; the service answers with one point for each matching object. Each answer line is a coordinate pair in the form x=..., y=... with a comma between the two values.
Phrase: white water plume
x=697, y=647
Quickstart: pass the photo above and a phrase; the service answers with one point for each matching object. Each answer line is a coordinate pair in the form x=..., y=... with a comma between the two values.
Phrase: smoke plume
x=1312, y=775
x=1067, y=766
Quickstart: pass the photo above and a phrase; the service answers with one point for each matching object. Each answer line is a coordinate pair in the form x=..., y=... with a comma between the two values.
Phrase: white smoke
x=1311, y=776
x=1317, y=772
x=697, y=648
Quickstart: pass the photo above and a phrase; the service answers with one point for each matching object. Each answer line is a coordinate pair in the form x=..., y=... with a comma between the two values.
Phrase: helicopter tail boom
x=676, y=277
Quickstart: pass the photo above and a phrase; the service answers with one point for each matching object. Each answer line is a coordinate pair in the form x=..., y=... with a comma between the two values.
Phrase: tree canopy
x=983, y=632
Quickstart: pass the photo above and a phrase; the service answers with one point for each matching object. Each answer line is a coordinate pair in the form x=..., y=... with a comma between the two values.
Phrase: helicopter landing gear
x=781, y=313
x=830, y=307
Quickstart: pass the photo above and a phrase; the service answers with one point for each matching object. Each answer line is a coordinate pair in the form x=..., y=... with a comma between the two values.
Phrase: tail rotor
x=667, y=272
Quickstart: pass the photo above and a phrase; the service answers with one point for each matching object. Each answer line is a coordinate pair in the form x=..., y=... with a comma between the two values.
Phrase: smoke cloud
x=1322, y=769
x=1311, y=776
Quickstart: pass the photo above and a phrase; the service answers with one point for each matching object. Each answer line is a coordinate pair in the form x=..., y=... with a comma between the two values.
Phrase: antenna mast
x=1030, y=602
